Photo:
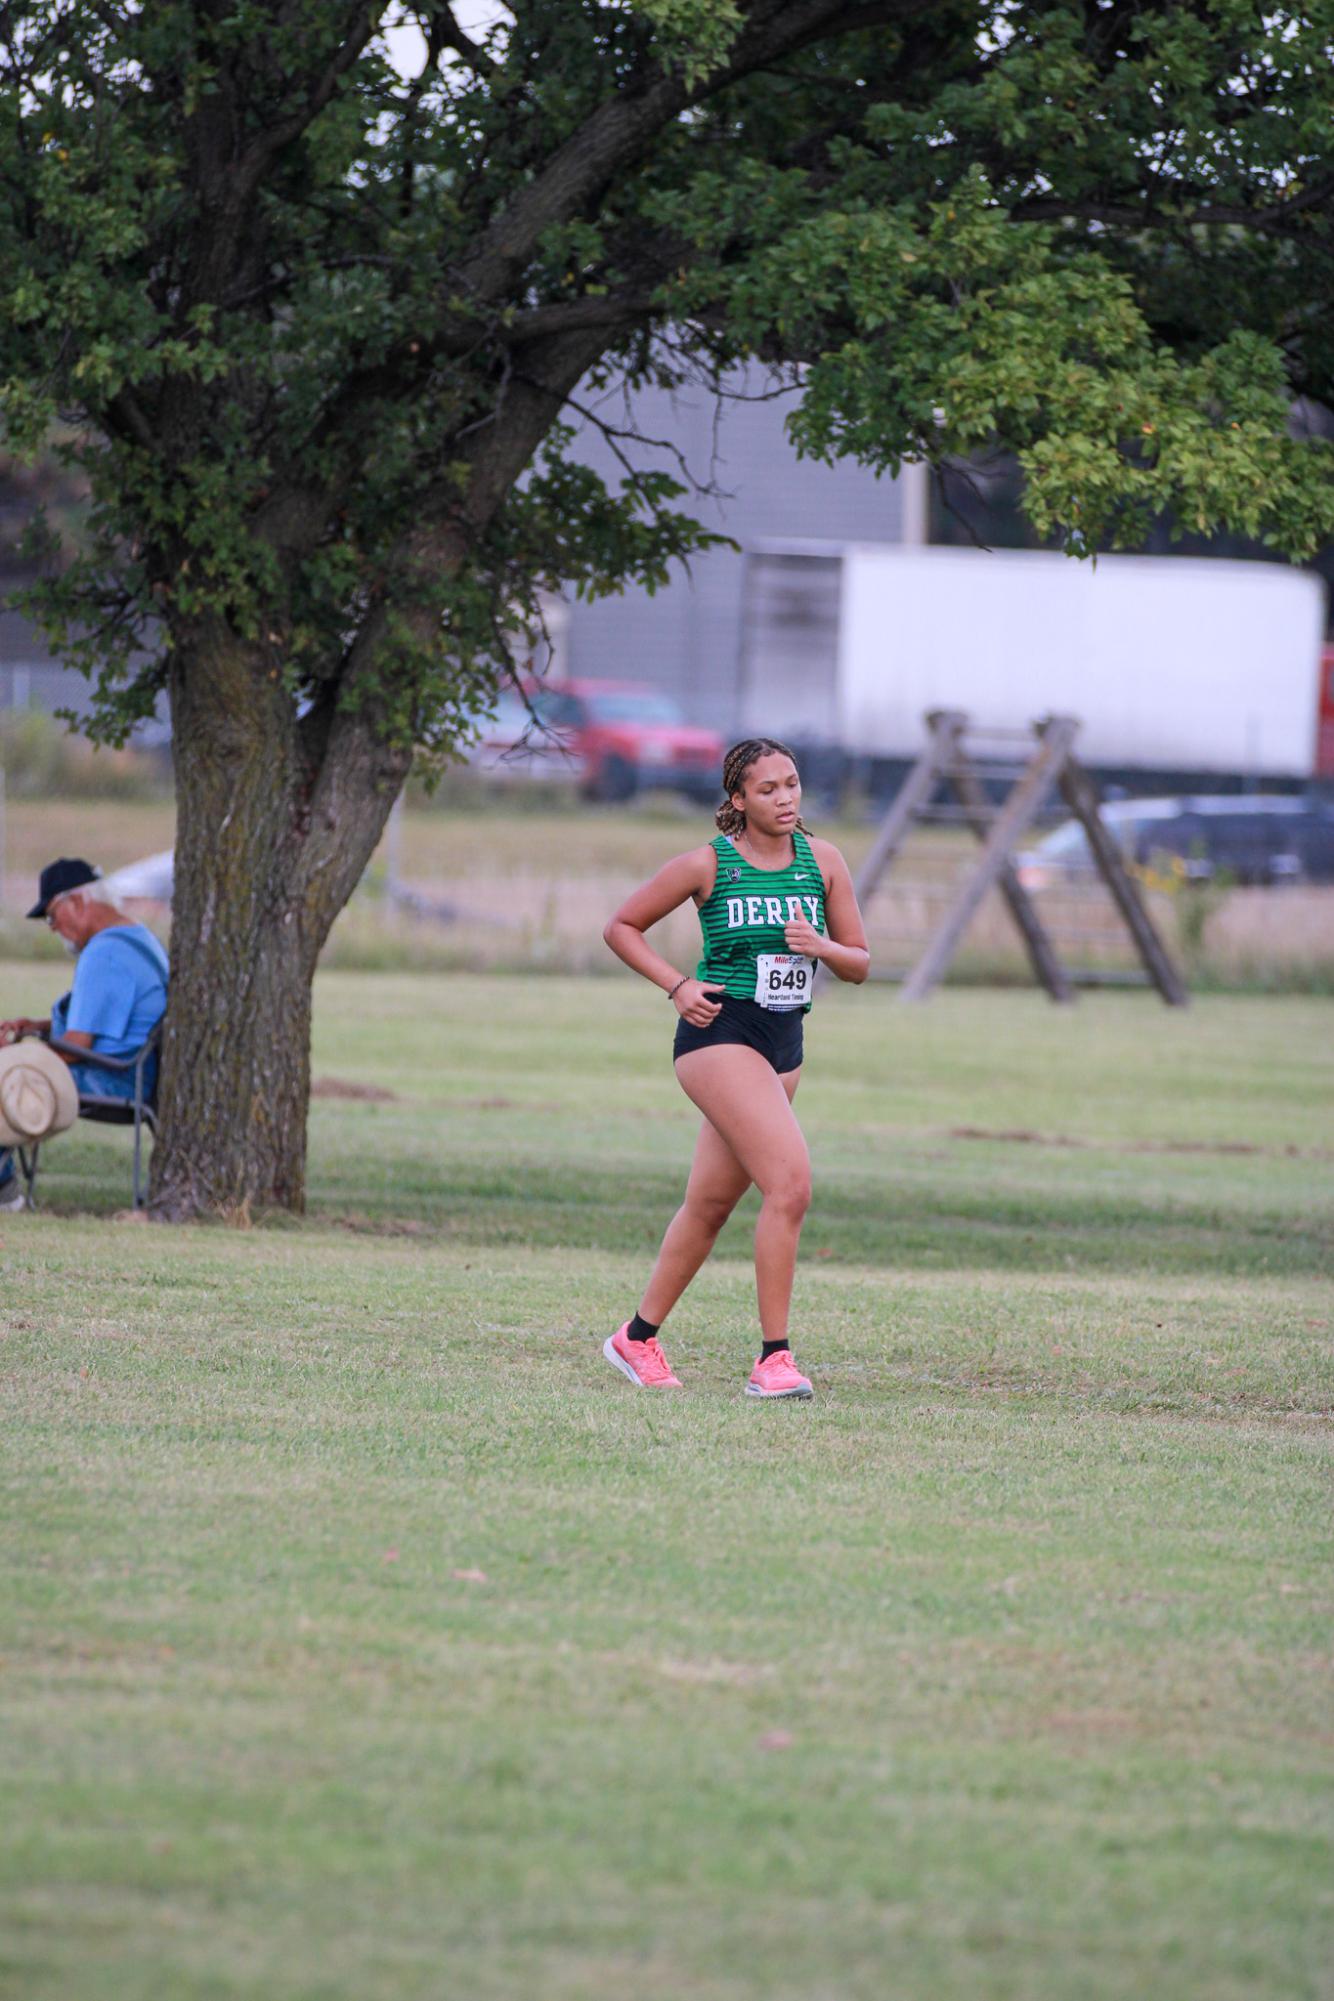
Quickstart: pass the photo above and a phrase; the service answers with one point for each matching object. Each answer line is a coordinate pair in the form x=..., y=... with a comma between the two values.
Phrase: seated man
x=119, y=992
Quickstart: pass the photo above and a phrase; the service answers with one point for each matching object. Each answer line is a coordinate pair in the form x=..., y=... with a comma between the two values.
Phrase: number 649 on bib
x=783, y=980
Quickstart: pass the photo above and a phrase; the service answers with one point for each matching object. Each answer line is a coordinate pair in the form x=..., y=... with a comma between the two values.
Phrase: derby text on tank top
x=743, y=925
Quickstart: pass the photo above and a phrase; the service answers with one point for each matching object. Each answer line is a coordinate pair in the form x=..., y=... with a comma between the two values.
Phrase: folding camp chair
x=138, y=1111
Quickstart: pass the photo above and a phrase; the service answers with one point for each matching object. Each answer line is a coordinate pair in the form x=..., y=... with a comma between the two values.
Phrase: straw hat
x=38, y=1096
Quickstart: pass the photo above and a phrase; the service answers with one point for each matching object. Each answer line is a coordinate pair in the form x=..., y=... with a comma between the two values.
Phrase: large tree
x=314, y=328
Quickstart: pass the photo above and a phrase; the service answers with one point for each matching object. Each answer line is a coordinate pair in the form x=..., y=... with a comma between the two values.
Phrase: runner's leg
x=717, y=1183
x=749, y=1106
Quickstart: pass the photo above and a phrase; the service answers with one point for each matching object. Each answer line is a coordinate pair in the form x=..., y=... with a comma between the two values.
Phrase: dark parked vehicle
x=611, y=738
x=1254, y=838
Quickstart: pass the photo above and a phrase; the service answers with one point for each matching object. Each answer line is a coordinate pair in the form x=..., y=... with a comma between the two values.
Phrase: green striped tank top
x=748, y=909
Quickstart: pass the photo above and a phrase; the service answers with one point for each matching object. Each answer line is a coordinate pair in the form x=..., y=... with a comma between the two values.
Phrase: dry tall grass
x=540, y=919
x=532, y=890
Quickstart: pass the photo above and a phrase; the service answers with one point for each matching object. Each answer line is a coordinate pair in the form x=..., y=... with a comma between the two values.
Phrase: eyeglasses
x=52, y=907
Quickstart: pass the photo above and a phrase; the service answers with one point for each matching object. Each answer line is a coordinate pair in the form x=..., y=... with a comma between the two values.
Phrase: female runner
x=771, y=902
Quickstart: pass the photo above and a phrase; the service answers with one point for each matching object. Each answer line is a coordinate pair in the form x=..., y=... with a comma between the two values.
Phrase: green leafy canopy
x=319, y=333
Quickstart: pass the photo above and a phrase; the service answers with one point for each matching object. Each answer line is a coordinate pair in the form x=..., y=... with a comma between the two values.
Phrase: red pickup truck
x=611, y=738
x=1324, y=745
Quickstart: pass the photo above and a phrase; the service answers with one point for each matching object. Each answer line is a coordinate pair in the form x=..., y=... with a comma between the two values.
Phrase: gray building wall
x=688, y=638
x=29, y=677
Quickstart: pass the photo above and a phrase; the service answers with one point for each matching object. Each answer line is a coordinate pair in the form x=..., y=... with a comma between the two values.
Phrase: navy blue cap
x=58, y=877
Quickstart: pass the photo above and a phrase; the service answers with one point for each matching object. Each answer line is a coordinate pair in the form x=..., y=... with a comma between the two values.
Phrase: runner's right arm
x=685, y=876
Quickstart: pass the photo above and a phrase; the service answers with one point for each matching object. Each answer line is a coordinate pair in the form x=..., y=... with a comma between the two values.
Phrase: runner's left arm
x=842, y=945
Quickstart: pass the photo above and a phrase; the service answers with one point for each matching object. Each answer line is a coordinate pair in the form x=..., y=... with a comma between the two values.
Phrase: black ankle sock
x=640, y=1330
x=768, y=1348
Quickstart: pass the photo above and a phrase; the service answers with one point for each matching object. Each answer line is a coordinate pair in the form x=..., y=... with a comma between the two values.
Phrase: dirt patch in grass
x=1017, y=1135
x=343, y=1087
x=502, y=1104
x=1095, y=1723
x=716, y=1674
x=381, y=1226
x=1022, y=1136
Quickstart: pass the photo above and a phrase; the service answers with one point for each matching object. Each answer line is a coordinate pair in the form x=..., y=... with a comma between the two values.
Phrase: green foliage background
x=285, y=303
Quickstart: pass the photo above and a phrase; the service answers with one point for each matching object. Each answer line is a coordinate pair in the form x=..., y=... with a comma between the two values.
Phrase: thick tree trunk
x=277, y=818
x=269, y=845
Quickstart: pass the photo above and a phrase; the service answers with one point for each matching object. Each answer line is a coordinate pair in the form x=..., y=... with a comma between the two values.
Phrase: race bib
x=783, y=980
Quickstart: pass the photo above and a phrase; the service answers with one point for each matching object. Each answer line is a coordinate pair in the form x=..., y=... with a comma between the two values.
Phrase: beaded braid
x=729, y=819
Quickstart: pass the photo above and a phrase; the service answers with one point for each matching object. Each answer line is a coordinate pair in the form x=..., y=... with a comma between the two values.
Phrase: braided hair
x=729, y=819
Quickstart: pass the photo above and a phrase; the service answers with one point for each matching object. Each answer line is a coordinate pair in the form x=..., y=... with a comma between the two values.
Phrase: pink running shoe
x=778, y=1377
x=643, y=1361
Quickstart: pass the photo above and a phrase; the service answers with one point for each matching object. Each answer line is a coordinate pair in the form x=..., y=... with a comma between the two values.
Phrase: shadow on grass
x=898, y=1226
x=947, y=1212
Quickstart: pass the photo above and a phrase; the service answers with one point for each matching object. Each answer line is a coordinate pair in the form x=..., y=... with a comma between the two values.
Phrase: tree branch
x=613, y=434
x=342, y=740
x=617, y=132
x=365, y=21
x=451, y=36
x=127, y=415
x=625, y=309
x=1272, y=220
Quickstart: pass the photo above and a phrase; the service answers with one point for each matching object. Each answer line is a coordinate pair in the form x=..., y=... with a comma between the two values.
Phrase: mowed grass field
x=365, y=1637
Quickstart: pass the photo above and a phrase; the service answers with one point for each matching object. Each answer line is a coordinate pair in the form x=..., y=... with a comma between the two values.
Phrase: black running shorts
x=777, y=1037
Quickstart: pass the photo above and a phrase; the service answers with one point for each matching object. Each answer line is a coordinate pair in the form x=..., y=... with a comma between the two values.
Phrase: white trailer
x=1172, y=664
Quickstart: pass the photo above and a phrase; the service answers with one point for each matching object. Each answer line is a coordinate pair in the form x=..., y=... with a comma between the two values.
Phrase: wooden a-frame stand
x=1052, y=766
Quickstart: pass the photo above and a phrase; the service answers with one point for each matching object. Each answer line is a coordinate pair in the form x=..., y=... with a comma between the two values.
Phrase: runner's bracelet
x=679, y=984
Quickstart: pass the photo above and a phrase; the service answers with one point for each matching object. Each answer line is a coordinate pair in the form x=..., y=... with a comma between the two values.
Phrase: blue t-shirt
x=118, y=997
